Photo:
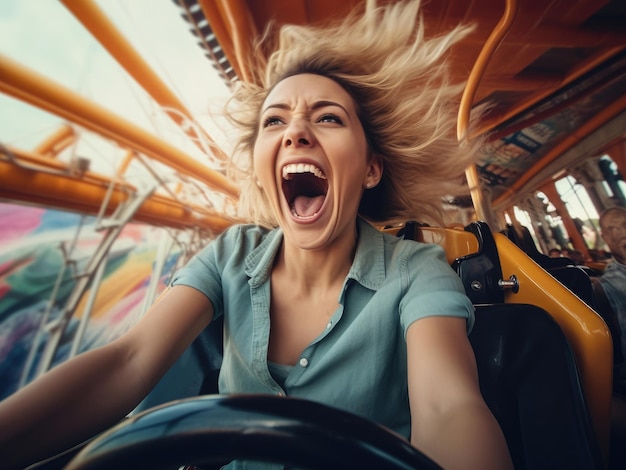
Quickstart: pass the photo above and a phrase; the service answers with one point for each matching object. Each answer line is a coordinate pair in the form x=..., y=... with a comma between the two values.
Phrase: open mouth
x=305, y=187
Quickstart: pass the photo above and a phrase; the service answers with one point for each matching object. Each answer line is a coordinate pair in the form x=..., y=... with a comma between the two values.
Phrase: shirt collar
x=260, y=260
x=368, y=267
x=614, y=264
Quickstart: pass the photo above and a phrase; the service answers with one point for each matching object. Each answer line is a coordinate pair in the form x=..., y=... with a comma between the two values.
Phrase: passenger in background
x=610, y=295
x=554, y=253
x=576, y=256
x=613, y=280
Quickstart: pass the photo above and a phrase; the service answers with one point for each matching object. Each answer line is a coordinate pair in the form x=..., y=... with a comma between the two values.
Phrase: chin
x=307, y=237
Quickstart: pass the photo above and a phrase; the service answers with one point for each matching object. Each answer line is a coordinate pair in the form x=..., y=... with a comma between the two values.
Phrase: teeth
x=293, y=168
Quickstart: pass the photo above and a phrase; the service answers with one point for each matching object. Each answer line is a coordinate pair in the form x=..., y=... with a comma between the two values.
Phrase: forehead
x=614, y=218
x=309, y=88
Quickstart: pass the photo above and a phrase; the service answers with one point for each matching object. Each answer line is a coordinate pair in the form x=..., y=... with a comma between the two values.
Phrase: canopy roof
x=556, y=79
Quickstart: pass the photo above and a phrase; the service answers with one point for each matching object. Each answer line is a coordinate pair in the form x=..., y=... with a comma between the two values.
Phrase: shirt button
x=304, y=362
x=281, y=394
x=329, y=324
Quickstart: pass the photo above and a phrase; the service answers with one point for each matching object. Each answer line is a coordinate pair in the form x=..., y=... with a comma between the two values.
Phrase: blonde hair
x=407, y=106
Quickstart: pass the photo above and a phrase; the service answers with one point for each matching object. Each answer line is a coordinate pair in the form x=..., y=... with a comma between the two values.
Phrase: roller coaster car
x=544, y=361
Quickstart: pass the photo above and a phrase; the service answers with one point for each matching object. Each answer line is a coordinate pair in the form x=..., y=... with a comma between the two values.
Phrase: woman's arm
x=450, y=421
x=96, y=389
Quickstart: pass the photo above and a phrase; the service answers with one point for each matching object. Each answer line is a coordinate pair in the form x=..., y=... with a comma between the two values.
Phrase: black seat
x=526, y=367
x=525, y=242
x=575, y=277
x=529, y=379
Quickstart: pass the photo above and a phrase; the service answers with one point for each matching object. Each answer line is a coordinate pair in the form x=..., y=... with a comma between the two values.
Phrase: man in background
x=610, y=290
x=613, y=280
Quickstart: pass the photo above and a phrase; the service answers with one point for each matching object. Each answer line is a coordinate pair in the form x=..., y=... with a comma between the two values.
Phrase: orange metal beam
x=235, y=30
x=219, y=28
x=545, y=35
x=492, y=123
x=242, y=31
x=36, y=161
x=85, y=196
x=56, y=142
x=480, y=66
x=129, y=156
x=566, y=103
x=25, y=84
x=525, y=83
x=594, y=123
x=99, y=25
x=483, y=211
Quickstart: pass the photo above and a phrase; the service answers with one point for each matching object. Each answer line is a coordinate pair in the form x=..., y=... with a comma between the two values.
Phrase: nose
x=298, y=134
x=300, y=141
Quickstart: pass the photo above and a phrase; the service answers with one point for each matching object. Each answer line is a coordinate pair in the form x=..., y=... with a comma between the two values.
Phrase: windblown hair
x=404, y=99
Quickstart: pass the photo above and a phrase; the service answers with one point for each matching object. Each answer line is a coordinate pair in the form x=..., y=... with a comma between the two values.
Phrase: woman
x=353, y=122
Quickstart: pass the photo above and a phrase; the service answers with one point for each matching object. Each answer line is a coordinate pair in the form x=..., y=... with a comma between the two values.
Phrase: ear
x=374, y=172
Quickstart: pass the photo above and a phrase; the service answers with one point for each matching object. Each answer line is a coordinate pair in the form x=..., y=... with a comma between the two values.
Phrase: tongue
x=306, y=206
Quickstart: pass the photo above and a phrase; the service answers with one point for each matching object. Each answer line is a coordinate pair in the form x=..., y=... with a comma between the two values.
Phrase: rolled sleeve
x=433, y=289
x=201, y=274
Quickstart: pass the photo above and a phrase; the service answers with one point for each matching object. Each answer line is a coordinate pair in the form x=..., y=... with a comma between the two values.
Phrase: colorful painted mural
x=42, y=254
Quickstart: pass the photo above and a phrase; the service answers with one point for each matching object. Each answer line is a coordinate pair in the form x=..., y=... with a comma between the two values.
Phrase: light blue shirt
x=613, y=281
x=358, y=363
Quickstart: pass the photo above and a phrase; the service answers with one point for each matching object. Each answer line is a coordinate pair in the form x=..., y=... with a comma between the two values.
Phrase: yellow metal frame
x=584, y=328
x=456, y=243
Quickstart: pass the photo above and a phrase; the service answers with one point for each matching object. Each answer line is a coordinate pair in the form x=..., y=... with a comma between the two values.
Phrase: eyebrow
x=316, y=105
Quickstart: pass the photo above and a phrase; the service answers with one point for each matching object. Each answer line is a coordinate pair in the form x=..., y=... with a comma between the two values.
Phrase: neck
x=317, y=269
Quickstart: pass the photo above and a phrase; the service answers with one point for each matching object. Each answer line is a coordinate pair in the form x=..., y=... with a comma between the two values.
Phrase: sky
x=45, y=37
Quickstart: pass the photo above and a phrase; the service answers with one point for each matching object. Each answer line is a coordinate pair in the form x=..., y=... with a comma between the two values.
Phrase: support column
x=589, y=175
x=617, y=152
x=538, y=219
x=574, y=235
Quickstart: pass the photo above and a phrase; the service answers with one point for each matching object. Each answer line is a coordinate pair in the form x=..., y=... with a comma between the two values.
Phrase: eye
x=272, y=121
x=330, y=118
